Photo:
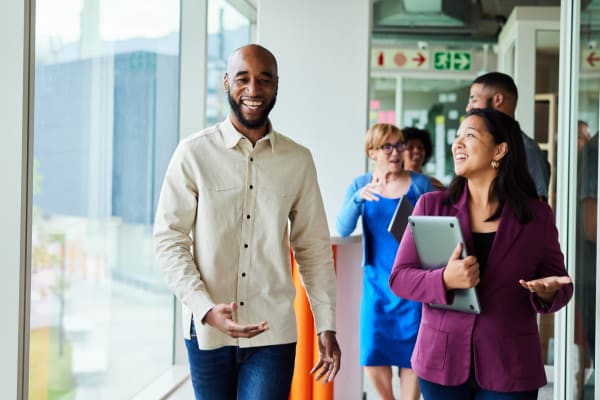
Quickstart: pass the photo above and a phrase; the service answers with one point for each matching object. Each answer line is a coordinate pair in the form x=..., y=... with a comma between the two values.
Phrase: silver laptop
x=436, y=238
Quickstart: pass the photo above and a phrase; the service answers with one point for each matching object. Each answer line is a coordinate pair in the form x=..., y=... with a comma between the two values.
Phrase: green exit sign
x=452, y=60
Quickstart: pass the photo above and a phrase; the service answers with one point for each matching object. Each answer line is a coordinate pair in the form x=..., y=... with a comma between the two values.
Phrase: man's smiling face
x=251, y=84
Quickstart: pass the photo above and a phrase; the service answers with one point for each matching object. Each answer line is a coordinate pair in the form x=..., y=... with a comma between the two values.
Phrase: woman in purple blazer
x=515, y=263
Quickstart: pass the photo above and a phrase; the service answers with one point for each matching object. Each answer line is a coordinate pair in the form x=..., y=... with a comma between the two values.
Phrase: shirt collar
x=231, y=136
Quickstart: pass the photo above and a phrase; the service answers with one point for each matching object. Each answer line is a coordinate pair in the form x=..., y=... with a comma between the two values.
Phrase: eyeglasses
x=388, y=147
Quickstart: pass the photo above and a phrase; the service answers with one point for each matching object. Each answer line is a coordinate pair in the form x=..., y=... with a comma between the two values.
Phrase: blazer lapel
x=508, y=233
x=461, y=210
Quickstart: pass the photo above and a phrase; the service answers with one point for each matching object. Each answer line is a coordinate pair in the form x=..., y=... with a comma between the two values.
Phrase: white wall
x=520, y=32
x=322, y=48
x=12, y=176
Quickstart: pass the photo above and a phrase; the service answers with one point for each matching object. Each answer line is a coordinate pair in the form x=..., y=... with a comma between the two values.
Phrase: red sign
x=590, y=60
x=399, y=59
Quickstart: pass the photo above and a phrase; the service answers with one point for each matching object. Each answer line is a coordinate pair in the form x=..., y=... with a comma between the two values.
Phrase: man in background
x=498, y=90
x=583, y=134
x=585, y=256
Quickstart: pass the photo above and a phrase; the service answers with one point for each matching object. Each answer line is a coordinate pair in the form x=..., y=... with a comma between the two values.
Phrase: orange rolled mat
x=302, y=380
x=304, y=387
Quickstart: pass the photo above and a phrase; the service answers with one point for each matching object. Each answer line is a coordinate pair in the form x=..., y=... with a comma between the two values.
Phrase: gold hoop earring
x=495, y=164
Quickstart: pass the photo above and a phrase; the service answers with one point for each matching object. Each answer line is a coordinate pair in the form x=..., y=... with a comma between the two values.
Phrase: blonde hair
x=379, y=134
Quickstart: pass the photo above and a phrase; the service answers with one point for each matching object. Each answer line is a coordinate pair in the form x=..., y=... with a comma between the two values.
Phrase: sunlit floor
x=186, y=392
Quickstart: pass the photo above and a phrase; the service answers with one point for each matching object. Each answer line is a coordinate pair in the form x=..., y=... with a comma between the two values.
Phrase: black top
x=483, y=244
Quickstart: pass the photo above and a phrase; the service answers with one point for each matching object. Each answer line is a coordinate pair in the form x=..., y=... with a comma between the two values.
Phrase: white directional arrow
x=462, y=61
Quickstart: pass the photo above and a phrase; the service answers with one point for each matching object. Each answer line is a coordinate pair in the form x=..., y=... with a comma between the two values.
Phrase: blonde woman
x=388, y=323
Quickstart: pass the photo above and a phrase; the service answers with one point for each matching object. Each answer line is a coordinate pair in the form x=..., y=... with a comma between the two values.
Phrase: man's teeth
x=252, y=103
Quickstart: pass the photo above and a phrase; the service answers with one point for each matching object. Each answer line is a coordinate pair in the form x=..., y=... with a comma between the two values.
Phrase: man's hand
x=329, y=357
x=221, y=317
x=546, y=288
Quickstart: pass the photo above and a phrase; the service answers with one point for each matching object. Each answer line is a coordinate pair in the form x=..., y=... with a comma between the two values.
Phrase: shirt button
x=245, y=245
x=241, y=303
x=243, y=274
x=251, y=187
x=251, y=159
x=248, y=216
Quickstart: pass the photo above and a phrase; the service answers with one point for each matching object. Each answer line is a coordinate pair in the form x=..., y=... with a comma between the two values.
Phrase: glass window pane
x=437, y=105
x=586, y=138
x=382, y=101
x=106, y=123
x=545, y=120
x=227, y=30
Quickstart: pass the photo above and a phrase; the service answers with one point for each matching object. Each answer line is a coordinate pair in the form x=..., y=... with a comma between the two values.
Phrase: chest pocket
x=223, y=190
x=277, y=191
x=226, y=178
x=279, y=180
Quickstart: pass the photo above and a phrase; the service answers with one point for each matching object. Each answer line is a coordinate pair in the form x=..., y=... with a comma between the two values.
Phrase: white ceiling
x=468, y=20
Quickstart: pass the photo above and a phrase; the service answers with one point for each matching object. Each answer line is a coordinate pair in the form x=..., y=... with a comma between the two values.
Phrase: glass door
x=436, y=105
x=586, y=137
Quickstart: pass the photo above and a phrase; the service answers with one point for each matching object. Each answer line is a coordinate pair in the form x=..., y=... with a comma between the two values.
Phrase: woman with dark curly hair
x=418, y=151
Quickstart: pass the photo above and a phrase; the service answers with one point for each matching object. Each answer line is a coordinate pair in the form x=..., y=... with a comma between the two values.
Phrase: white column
x=517, y=57
x=192, y=70
x=349, y=382
x=524, y=76
x=14, y=163
x=322, y=48
x=192, y=103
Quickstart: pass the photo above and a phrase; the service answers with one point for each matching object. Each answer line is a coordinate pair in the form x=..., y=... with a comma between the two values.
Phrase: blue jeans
x=469, y=391
x=231, y=372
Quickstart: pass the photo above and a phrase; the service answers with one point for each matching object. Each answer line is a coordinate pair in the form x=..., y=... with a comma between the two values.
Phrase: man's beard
x=254, y=124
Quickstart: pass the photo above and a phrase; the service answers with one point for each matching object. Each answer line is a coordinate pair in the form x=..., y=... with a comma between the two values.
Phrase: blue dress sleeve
x=420, y=184
x=352, y=207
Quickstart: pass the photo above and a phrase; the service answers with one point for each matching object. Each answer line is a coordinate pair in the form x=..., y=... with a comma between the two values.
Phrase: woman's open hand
x=546, y=288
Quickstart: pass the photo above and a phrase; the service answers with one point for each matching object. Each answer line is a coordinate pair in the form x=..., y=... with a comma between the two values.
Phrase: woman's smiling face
x=414, y=155
x=474, y=148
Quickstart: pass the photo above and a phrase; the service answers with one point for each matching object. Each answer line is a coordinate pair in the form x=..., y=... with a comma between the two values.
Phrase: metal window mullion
x=566, y=190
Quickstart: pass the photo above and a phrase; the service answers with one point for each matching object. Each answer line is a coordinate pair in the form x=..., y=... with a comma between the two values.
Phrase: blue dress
x=388, y=324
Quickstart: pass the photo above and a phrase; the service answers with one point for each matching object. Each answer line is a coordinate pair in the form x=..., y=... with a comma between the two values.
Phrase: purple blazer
x=504, y=338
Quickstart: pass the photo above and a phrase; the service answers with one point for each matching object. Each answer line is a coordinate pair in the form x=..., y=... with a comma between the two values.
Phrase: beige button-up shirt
x=226, y=216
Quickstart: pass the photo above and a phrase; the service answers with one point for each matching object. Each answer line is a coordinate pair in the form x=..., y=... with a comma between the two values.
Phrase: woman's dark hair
x=513, y=185
x=422, y=135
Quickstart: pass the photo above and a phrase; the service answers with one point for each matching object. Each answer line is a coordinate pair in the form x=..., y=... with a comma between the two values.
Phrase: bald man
x=236, y=197
x=498, y=90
